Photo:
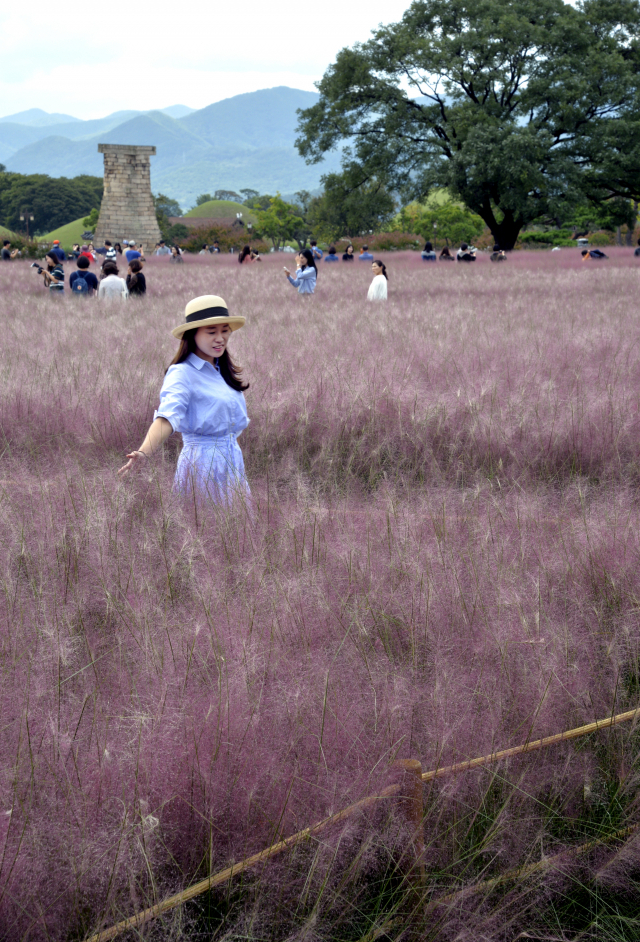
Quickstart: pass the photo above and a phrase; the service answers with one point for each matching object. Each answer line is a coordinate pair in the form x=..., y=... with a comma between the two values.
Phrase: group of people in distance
x=306, y=276
x=84, y=282
x=466, y=253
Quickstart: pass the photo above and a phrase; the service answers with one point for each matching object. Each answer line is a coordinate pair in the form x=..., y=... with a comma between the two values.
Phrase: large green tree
x=350, y=205
x=53, y=201
x=510, y=104
x=280, y=222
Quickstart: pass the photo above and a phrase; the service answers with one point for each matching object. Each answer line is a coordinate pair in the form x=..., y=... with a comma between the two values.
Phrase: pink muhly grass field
x=442, y=560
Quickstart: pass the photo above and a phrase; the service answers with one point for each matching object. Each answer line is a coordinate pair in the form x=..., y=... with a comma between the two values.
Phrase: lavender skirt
x=212, y=467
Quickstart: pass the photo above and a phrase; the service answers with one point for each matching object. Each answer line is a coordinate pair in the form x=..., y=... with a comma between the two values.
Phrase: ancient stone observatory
x=127, y=210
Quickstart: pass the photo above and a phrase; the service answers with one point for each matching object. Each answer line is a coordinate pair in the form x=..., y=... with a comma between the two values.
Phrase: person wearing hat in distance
x=57, y=251
x=132, y=252
x=202, y=397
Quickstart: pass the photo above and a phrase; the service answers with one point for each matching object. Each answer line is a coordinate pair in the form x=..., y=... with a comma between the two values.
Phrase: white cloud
x=155, y=53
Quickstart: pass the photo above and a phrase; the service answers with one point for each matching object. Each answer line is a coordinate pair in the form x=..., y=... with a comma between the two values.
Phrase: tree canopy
x=514, y=105
x=53, y=201
x=279, y=222
x=350, y=206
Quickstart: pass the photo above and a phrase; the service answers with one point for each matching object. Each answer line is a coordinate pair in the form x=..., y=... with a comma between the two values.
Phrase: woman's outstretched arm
x=159, y=431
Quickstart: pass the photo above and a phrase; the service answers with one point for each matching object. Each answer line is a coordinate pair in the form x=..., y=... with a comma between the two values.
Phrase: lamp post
x=435, y=232
x=25, y=216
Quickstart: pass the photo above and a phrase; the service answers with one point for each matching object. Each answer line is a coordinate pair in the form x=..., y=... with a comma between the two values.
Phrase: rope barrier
x=139, y=919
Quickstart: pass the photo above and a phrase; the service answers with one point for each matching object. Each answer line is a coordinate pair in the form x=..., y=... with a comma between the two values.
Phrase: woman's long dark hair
x=383, y=267
x=246, y=251
x=135, y=267
x=228, y=369
x=307, y=254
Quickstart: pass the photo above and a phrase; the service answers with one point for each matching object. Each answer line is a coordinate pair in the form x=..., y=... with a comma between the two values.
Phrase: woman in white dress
x=202, y=397
x=378, y=287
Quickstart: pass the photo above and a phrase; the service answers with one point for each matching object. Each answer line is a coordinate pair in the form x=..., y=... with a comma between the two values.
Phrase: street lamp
x=435, y=232
x=25, y=216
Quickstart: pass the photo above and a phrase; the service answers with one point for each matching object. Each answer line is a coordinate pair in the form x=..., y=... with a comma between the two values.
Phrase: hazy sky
x=90, y=59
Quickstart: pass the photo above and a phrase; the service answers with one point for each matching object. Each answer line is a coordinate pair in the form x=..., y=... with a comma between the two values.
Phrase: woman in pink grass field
x=202, y=397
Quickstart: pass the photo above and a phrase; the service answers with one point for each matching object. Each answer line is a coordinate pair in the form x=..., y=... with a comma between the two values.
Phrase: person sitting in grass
x=445, y=255
x=365, y=254
x=347, y=255
x=331, y=255
x=637, y=251
x=465, y=254
x=595, y=254
x=498, y=254
x=428, y=255
x=82, y=281
x=202, y=397
x=176, y=255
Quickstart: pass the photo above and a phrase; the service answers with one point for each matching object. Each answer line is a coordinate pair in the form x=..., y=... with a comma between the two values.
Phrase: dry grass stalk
x=223, y=876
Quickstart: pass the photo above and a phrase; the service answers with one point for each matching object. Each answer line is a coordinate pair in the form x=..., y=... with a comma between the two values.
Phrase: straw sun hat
x=204, y=311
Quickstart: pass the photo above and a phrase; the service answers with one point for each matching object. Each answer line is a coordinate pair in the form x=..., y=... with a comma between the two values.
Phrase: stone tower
x=127, y=210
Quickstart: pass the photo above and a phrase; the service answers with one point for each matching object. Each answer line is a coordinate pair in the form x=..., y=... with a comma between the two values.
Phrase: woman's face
x=350, y=250
x=300, y=260
x=212, y=341
x=376, y=269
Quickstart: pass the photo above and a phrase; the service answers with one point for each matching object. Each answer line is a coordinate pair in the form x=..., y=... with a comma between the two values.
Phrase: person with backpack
x=83, y=282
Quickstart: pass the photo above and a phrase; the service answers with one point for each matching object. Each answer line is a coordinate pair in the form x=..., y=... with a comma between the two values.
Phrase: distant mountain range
x=244, y=141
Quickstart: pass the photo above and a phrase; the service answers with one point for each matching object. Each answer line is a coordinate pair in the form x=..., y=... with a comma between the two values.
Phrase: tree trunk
x=629, y=233
x=505, y=233
x=618, y=235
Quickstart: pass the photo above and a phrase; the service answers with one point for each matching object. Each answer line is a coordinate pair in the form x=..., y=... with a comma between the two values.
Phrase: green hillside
x=5, y=233
x=222, y=209
x=68, y=234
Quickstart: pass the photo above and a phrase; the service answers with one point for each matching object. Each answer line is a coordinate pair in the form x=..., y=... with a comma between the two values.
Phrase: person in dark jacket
x=83, y=281
x=465, y=254
x=136, y=282
x=348, y=255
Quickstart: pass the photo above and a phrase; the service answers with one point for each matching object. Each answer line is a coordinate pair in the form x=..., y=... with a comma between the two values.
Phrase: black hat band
x=207, y=312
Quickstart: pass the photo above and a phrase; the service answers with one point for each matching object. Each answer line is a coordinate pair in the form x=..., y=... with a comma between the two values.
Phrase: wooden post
x=411, y=799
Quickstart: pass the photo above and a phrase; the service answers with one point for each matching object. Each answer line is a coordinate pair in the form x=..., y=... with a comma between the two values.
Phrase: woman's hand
x=133, y=458
x=286, y=272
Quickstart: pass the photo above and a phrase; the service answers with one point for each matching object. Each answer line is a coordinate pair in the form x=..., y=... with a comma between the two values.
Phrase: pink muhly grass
x=443, y=561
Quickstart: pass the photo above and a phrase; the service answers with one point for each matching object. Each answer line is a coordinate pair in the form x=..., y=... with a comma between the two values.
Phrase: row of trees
x=52, y=201
x=523, y=110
